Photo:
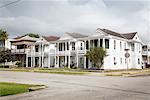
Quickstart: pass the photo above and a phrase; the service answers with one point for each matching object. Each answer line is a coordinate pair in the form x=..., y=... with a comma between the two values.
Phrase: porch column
x=69, y=55
x=49, y=56
x=65, y=54
x=39, y=55
x=55, y=54
x=34, y=56
x=88, y=50
x=42, y=56
x=57, y=61
x=148, y=62
x=98, y=42
x=84, y=54
x=58, y=56
x=31, y=61
x=27, y=61
x=89, y=44
x=31, y=56
x=26, y=58
x=77, y=59
x=103, y=43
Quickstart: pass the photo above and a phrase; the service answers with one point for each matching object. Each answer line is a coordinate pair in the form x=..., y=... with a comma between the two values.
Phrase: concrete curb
x=136, y=75
x=36, y=88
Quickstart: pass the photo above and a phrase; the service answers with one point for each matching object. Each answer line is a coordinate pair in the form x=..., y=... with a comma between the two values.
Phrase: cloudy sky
x=54, y=17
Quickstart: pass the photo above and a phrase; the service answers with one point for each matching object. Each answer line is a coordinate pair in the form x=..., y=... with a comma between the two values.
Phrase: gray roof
x=129, y=35
x=125, y=35
x=51, y=38
x=76, y=35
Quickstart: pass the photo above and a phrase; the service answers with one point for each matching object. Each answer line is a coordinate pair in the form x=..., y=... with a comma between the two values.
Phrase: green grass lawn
x=14, y=88
x=65, y=71
x=78, y=71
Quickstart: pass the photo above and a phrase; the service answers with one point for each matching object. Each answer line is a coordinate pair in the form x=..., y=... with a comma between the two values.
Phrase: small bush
x=19, y=64
x=74, y=67
x=4, y=66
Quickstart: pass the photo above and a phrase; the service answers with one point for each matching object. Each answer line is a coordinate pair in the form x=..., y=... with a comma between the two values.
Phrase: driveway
x=76, y=87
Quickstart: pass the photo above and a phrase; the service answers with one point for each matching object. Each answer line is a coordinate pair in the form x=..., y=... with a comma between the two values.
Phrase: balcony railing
x=19, y=50
x=144, y=52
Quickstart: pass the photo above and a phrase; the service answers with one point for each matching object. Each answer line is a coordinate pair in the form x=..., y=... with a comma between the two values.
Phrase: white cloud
x=54, y=17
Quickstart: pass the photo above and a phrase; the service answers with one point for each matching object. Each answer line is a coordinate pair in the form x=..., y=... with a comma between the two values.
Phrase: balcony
x=145, y=53
x=20, y=51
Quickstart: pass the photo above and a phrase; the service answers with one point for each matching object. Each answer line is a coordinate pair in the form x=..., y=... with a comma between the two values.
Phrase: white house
x=69, y=50
x=146, y=54
x=5, y=44
x=20, y=46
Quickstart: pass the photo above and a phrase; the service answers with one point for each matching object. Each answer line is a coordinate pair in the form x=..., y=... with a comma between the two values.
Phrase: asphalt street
x=79, y=87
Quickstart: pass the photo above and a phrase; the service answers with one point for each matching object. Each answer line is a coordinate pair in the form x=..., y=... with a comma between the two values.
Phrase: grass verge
x=14, y=88
x=46, y=70
x=139, y=72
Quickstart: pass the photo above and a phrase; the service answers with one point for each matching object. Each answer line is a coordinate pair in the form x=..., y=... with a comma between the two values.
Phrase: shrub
x=19, y=64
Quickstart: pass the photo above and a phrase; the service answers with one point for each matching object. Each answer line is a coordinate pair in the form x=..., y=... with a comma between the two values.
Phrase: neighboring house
x=70, y=49
x=6, y=45
x=43, y=53
x=20, y=45
x=146, y=54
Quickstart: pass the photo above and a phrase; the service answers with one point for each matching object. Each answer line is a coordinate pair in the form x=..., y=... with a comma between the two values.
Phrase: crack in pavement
x=117, y=89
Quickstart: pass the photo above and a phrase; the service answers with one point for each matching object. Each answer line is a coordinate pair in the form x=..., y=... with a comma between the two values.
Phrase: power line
x=5, y=5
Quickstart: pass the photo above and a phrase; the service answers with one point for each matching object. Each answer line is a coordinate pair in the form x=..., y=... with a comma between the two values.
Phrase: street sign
x=127, y=55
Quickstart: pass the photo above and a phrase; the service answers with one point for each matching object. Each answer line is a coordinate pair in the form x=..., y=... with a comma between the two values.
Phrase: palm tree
x=3, y=36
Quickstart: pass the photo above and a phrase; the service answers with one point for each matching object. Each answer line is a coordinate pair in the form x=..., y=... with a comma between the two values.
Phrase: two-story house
x=146, y=54
x=69, y=50
x=20, y=45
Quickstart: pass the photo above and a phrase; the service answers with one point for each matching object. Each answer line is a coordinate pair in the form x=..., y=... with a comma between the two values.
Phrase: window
x=132, y=46
x=144, y=48
x=67, y=46
x=115, y=61
x=107, y=43
x=64, y=44
x=120, y=45
x=60, y=46
x=1, y=43
x=101, y=42
x=95, y=43
x=73, y=46
x=125, y=46
x=125, y=60
x=87, y=45
x=120, y=60
x=36, y=48
x=137, y=47
x=114, y=44
x=81, y=48
x=21, y=46
x=138, y=61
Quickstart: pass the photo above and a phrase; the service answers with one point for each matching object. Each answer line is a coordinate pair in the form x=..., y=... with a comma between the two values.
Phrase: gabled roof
x=25, y=38
x=129, y=35
x=124, y=35
x=51, y=38
x=76, y=35
x=18, y=37
x=111, y=32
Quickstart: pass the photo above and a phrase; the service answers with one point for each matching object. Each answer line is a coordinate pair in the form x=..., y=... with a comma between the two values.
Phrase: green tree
x=33, y=35
x=96, y=55
x=6, y=55
x=3, y=36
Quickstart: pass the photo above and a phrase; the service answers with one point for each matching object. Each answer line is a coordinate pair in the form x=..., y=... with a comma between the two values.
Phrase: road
x=76, y=87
